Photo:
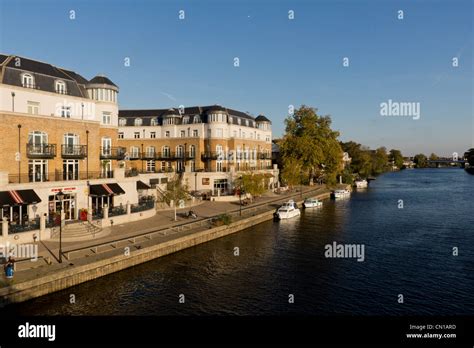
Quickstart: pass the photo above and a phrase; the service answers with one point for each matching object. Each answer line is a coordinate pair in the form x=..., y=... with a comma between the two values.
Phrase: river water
x=408, y=251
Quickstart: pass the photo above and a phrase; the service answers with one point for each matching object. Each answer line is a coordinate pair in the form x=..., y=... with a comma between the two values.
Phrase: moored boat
x=341, y=193
x=287, y=211
x=362, y=183
x=312, y=203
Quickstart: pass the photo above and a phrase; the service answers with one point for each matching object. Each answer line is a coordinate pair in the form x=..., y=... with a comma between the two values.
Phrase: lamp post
x=60, y=196
x=19, y=152
x=142, y=158
x=240, y=195
x=82, y=111
x=87, y=154
x=13, y=101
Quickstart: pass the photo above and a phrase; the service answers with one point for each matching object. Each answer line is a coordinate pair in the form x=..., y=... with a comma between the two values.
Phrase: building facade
x=64, y=133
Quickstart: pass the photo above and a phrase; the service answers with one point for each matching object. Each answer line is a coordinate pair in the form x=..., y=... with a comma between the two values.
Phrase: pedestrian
x=9, y=268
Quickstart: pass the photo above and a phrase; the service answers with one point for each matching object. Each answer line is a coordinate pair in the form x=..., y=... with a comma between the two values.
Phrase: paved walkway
x=162, y=220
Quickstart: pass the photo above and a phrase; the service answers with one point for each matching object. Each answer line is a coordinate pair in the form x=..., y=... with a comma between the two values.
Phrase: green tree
x=311, y=146
x=379, y=161
x=420, y=161
x=175, y=191
x=291, y=173
x=361, y=161
x=396, y=158
x=253, y=183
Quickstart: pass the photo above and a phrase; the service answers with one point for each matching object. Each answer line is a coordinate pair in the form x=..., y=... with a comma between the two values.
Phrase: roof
x=102, y=80
x=261, y=118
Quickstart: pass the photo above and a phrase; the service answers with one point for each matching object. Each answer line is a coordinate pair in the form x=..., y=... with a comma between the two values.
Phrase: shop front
x=67, y=204
x=103, y=194
x=19, y=207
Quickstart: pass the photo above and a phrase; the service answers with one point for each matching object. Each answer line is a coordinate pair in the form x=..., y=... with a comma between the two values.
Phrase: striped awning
x=106, y=190
x=18, y=197
x=142, y=186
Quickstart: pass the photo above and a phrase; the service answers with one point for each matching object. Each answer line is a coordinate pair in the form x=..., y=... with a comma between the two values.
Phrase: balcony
x=264, y=156
x=209, y=155
x=112, y=153
x=42, y=151
x=58, y=176
x=74, y=151
x=148, y=155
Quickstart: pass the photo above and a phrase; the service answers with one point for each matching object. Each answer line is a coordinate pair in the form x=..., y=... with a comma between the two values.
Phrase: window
x=219, y=132
x=138, y=122
x=38, y=170
x=183, y=134
x=192, y=151
x=258, y=136
x=247, y=123
x=195, y=133
x=267, y=139
x=70, y=140
x=185, y=119
x=167, y=134
x=106, y=118
x=239, y=121
x=230, y=119
x=234, y=134
x=122, y=122
x=243, y=135
x=70, y=170
x=196, y=119
x=153, y=122
x=120, y=135
x=28, y=81
x=60, y=87
x=134, y=152
x=150, y=151
x=166, y=151
x=209, y=133
x=136, y=135
x=33, y=107
x=150, y=166
x=153, y=135
x=66, y=111
x=106, y=146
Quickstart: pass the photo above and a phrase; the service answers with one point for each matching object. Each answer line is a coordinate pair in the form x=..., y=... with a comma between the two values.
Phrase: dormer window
x=138, y=122
x=153, y=122
x=28, y=81
x=247, y=123
x=239, y=121
x=185, y=119
x=230, y=119
x=60, y=87
x=196, y=119
x=122, y=122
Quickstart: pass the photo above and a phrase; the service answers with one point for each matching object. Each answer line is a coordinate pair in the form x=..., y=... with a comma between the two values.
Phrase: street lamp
x=19, y=151
x=13, y=101
x=60, y=196
x=240, y=195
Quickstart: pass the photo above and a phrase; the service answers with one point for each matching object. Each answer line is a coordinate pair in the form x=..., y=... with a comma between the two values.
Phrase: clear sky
x=282, y=61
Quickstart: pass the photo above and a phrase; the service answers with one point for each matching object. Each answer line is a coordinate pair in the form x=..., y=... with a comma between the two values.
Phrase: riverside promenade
x=137, y=242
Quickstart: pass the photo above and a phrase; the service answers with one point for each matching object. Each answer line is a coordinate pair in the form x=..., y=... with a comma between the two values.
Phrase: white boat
x=312, y=203
x=287, y=211
x=341, y=193
x=361, y=183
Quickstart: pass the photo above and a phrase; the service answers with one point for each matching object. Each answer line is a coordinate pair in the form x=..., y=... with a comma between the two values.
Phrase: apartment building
x=64, y=133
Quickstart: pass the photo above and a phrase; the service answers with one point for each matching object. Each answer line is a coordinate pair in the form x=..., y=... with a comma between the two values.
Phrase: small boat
x=312, y=203
x=287, y=211
x=341, y=193
x=361, y=183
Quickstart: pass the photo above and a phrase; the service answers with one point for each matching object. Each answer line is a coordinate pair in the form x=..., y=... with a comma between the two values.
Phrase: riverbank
x=89, y=262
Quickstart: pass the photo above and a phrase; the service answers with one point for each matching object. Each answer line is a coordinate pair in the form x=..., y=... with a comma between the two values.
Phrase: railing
x=41, y=150
x=135, y=208
x=136, y=172
x=29, y=85
x=74, y=151
x=58, y=176
x=116, y=211
x=210, y=155
x=264, y=156
x=27, y=226
x=117, y=153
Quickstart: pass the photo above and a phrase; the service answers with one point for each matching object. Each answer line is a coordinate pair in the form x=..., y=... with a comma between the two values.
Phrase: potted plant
x=83, y=214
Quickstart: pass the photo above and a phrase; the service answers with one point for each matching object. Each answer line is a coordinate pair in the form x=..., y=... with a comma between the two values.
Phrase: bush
x=223, y=219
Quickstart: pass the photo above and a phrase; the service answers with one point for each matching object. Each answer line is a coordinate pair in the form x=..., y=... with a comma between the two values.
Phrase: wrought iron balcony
x=210, y=155
x=74, y=151
x=41, y=150
x=114, y=153
x=264, y=156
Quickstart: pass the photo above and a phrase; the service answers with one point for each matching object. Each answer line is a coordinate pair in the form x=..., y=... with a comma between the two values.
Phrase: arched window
x=60, y=87
x=28, y=81
x=150, y=151
x=122, y=122
x=165, y=151
x=153, y=122
x=134, y=152
x=192, y=151
x=185, y=119
x=38, y=138
x=138, y=122
x=196, y=119
x=179, y=151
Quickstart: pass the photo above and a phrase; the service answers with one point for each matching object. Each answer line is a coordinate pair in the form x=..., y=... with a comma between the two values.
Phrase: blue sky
x=282, y=61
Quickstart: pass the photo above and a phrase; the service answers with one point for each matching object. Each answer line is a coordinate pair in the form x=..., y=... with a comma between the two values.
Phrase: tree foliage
x=175, y=191
x=253, y=183
x=310, y=146
x=396, y=158
x=420, y=161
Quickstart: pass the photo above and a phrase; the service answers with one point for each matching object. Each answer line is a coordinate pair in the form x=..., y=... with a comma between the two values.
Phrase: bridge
x=448, y=161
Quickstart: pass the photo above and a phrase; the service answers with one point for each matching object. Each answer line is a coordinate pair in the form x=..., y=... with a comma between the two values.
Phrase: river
x=408, y=251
